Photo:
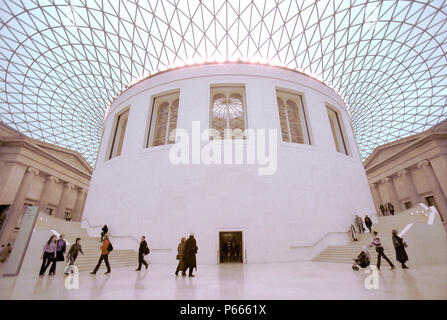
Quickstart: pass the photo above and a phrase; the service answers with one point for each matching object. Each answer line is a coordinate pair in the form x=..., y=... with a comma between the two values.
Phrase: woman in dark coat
x=190, y=254
x=180, y=257
x=399, y=245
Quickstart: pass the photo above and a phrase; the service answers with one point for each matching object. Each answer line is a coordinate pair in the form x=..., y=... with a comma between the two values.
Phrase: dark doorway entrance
x=230, y=245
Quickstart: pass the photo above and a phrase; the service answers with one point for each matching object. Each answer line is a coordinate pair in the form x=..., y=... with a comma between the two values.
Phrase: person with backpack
x=106, y=248
x=142, y=251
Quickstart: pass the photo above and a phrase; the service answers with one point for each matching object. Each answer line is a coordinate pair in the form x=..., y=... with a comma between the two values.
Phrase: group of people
x=387, y=209
x=186, y=255
x=231, y=251
x=363, y=260
x=54, y=251
x=359, y=223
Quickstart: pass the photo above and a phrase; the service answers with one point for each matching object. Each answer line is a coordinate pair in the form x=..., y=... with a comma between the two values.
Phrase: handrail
x=136, y=240
x=314, y=244
x=93, y=226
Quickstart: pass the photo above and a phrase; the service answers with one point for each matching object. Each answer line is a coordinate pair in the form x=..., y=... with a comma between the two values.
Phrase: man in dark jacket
x=391, y=208
x=368, y=223
x=142, y=251
x=190, y=254
x=382, y=209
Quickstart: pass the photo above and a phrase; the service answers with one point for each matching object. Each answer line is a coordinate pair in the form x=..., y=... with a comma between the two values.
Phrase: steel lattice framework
x=62, y=62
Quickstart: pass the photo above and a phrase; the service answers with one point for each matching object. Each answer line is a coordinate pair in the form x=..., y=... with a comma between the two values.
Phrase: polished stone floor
x=301, y=280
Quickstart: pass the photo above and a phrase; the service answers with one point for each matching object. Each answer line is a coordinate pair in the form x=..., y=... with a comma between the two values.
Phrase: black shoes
x=137, y=269
x=191, y=275
x=92, y=272
x=107, y=272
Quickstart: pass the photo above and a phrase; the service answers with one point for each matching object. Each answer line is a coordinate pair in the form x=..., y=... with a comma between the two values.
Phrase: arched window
x=118, y=135
x=292, y=118
x=337, y=132
x=164, y=120
x=227, y=112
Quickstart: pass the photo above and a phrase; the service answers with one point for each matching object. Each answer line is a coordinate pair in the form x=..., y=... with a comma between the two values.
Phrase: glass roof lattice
x=63, y=61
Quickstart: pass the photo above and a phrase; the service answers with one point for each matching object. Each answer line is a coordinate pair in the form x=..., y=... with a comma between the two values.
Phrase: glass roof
x=63, y=61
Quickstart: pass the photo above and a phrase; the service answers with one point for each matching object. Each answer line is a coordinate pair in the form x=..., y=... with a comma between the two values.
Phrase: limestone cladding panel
x=11, y=182
x=439, y=165
x=55, y=193
x=400, y=187
x=35, y=189
x=420, y=181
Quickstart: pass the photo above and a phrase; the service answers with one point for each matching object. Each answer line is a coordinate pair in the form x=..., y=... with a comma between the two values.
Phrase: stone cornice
x=29, y=145
x=423, y=138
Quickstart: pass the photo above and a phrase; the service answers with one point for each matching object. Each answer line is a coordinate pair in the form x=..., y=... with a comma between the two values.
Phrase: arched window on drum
x=164, y=120
x=292, y=118
x=227, y=113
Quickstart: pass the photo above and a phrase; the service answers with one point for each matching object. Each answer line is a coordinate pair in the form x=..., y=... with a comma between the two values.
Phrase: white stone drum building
x=310, y=196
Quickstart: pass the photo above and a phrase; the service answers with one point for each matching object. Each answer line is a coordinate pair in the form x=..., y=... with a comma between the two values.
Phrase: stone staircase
x=345, y=254
x=90, y=245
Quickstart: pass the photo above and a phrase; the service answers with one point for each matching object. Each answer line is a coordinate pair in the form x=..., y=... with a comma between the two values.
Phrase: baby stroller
x=363, y=259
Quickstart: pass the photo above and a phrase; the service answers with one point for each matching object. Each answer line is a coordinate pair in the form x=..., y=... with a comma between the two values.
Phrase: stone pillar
x=46, y=191
x=17, y=206
x=376, y=197
x=388, y=181
x=439, y=165
x=412, y=193
x=63, y=200
x=79, y=205
x=440, y=199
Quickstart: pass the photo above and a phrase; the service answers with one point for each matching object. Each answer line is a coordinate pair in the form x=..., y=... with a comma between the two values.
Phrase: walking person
x=368, y=223
x=190, y=254
x=60, y=251
x=106, y=248
x=391, y=208
x=359, y=223
x=181, y=257
x=73, y=254
x=104, y=230
x=142, y=251
x=399, y=246
x=382, y=209
x=48, y=255
x=380, y=251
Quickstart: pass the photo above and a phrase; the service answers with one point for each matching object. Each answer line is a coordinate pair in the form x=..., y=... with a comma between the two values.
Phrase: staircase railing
x=119, y=236
x=319, y=240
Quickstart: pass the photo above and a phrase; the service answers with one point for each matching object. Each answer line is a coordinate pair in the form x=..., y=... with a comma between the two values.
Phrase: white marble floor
x=301, y=280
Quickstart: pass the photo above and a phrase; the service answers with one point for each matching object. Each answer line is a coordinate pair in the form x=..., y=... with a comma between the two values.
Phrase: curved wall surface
x=313, y=190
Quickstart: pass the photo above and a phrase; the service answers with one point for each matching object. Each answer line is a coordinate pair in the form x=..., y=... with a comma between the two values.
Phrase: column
x=60, y=212
x=79, y=205
x=439, y=165
x=410, y=187
x=376, y=197
x=17, y=206
x=46, y=192
x=440, y=199
x=388, y=181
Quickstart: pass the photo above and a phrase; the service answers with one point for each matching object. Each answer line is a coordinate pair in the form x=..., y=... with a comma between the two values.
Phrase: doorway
x=230, y=246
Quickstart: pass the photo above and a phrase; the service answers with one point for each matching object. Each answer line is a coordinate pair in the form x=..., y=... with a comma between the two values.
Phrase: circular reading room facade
x=259, y=162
